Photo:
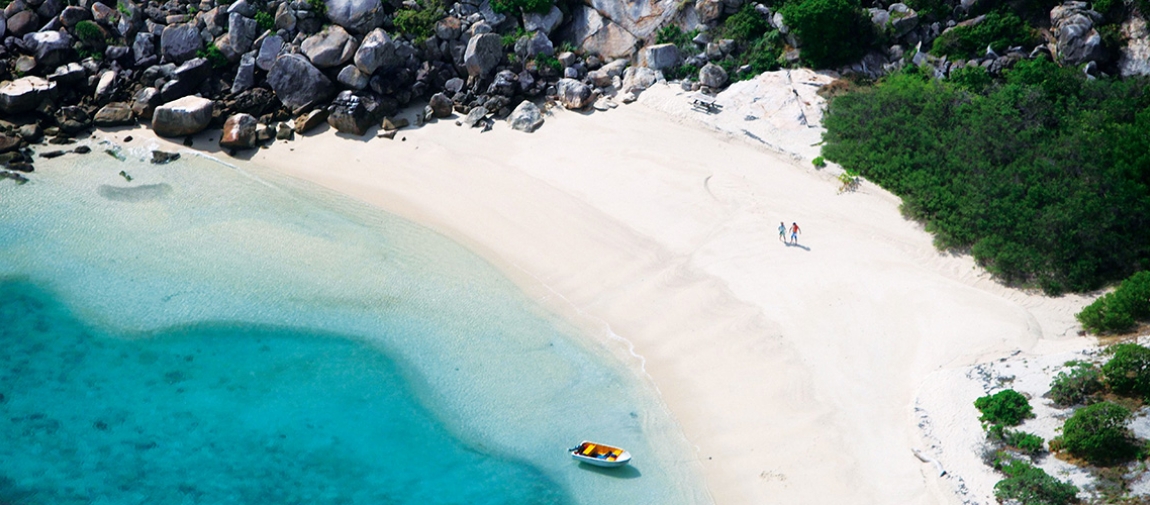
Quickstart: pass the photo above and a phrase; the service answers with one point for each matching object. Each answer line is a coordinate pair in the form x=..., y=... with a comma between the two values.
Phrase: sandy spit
x=794, y=369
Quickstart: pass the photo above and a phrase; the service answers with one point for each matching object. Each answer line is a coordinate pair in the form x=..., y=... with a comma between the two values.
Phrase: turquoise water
x=215, y=334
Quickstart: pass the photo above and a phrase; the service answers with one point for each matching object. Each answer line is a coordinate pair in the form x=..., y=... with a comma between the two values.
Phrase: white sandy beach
x=794, y=370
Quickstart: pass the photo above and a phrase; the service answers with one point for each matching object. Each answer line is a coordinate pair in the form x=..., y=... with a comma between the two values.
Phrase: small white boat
x=600, y=455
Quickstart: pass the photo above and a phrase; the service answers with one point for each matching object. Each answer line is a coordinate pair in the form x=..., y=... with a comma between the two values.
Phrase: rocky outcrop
x=297, y=82
x=187, y=116
x=639, y=18
x=114, y=114
x=239, y=132
x=712, y=76
x=526, y=117
x=353, y=114
x=1135, y=59
x=180, y=43
x=546, y=23
x=637, y=79
x=599, y=35
x=25, y=93
x=1076, y=40
x=375, y=52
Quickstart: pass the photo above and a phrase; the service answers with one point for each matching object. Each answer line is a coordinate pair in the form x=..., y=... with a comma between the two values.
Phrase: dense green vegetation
x=214, y=56
x=1121, y=310
x=1044, y=177
x=419, y=23
x=265, y=20
x=1006, y=407
x=1099, y=435
x=1024, y=442
x=832, y=32
x=90, y=34
x=997, y=30
x=1030, y=485
x=1076, y=385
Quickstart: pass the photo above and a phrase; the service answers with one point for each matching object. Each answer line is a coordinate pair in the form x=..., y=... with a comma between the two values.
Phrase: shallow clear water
x=213, y=334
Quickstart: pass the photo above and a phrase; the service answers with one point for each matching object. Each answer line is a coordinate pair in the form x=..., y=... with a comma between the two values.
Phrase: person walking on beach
x=782, y=232
x=795, y=231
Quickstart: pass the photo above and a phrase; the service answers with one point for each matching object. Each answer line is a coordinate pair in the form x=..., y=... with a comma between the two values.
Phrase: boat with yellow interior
x=600, y=454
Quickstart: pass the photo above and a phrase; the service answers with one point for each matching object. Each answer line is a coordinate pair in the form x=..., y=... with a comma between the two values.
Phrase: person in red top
x=795, y=231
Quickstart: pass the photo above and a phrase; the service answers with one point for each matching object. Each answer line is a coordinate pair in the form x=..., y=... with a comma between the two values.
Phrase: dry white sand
x=793, y=369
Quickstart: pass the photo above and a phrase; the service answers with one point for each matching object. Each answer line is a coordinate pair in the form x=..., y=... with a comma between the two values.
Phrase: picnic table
x=705, y=103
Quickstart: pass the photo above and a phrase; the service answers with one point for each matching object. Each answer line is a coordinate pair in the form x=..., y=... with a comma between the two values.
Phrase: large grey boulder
x=637, y=79
x=1135, y=59
x=599, y=35
x=573, y=94
x=25, y=93
x=526, y=117
x=186, y=116
x=440, y=105
x=73, y=14
x=449, y=28
x=50, y=48
x=712, y=75
x=22, y=23
x=708, y=10
x=528, y=46
x=270, y=49
x=903, y=19
x=662, y=56
x=143, y=46
x=239, y=132
x=144, y=102
x=186, y=79
x=351, y=113
x=297, y=83
x=179, y=43
x=331, y=47
x=546, y=23
x=358, y=16
x=483, y=53
x=376, y=51
x=1072, y=25
x=350, y=76
x=245, y=73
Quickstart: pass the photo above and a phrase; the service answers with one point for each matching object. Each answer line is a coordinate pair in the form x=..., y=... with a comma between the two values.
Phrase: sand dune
x=792, y=368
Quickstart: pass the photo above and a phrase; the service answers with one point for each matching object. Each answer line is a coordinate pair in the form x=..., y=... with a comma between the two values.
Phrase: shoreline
x=673, y=250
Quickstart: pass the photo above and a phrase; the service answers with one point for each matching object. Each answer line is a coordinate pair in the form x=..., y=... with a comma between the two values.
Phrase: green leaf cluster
x=745, y=25
x=832, y=32
x=1028, y=484
x=1007, y=407
x=997, y=30
x=551, y=62
x=1121, y=310
x=265, y=20
x=1076, y=385
x=1044, y=177
x=419, y=23
x=1028, y=443
x=214, y=56
x=1098, y=434
x=90, y=34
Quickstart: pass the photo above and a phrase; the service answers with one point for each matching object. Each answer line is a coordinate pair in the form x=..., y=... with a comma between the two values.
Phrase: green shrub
x=317, y=6
x=832, y=32
x=931, y=9
x=517, y=6
x=419, y=23
x=1119, y=311
x=124, y=10
x=1043, y=179
x=265, y=20
x=551, y=62
x=1006, y=407
x=1099, y=435
x=1028, y=443
x=214, y=56
x=90, y=34
x=681, y=72
x=672, y=34
x=1128, y=370
x=973, y=79
x=745, y=25
x=819, y=162
x=1030, y=485
x=1076, y=384
x=999, y=31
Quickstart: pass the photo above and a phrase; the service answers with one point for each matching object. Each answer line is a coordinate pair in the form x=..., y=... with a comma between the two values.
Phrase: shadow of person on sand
x=623, y=472
x=800, y=246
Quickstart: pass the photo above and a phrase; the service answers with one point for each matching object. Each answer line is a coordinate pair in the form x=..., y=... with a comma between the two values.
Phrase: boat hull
x=599, y=455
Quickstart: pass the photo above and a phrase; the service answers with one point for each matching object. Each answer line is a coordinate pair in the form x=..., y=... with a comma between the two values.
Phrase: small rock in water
x=60, y=140
x=82, y=150
x=21, y=166
x=52, y=154
x=125, y=176
x=161, y=157
x=115, y=153
x=20, y=179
